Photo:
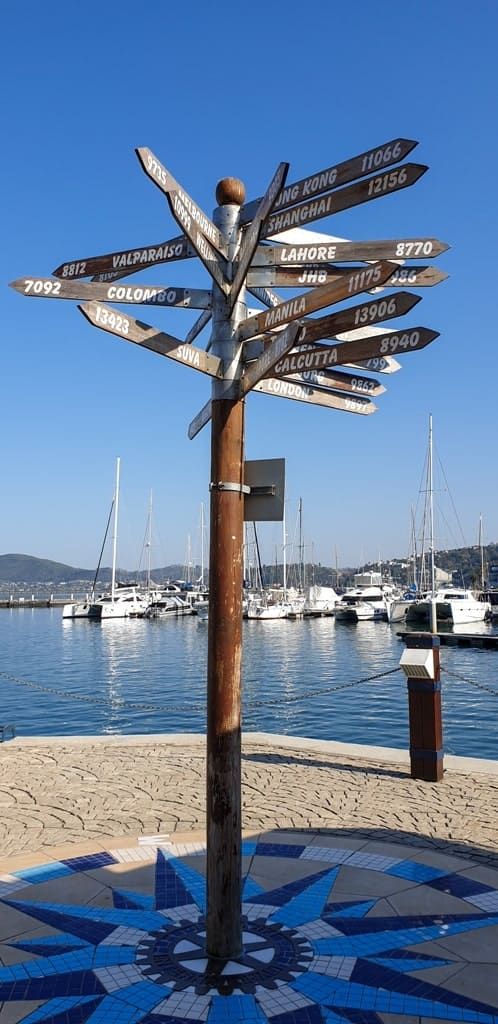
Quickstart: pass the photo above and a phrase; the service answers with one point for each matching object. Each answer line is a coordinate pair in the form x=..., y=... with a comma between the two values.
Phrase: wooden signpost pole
x=223, y=803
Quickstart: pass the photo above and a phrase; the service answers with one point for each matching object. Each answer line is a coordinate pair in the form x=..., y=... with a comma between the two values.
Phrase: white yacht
x=454, y=605
x=366, y=600
x=77, y=610
x=124, y=603
x=276, y=604
x=397, y=607
x=320, y=600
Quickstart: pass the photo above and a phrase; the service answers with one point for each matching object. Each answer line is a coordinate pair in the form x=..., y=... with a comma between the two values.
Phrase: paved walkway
x=59, y=792
x=368, y=898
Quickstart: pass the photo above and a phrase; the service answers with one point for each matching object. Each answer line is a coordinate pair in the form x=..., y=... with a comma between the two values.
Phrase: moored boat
x=453, y=605
x=366, y=600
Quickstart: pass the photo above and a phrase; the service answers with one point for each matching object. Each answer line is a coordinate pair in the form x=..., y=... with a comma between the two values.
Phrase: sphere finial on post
x=230, y=191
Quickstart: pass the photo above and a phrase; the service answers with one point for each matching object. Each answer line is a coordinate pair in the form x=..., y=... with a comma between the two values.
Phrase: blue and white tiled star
x=307, y=959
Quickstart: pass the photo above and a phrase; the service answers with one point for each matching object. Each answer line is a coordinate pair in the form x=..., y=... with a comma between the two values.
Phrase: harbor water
x=300, y=678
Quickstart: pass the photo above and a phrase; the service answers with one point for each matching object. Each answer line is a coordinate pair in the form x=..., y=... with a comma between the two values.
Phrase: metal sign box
x=265, y=502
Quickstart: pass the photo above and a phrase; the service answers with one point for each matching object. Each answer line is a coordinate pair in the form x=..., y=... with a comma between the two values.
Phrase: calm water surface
x=162, y=662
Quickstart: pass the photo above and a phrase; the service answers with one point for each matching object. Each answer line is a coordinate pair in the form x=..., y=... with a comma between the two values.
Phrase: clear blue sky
x=217, y=89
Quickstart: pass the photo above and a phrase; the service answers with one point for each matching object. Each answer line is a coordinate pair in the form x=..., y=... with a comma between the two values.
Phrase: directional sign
x=200, y=420
x=379, y=364
x=259, y=281
x=347, y=252
x=264, y=365
x=148, y=295
x=419, y=277
x=338, y=381
x=111, y=275
x=251, y=237
x=373, y=312
x=352, y=284
x=323, y=181
x=129, y=329
x=128, y=260
x=199, y=326
x=302, y=393
x=319, y=357
x=353, y=195
x=266, y=296
x=197, y=226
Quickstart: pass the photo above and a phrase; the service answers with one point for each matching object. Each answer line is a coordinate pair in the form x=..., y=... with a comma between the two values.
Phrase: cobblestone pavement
x=72, y=791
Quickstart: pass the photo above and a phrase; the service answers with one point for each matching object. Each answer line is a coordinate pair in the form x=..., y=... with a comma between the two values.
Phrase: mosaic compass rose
x=309, y=956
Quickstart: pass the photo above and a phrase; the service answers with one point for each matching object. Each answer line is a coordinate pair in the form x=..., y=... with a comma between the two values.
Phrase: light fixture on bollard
x=417, y=664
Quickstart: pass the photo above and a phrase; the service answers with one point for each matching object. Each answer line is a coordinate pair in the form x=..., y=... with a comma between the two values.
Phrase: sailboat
x=449, y=604
x=122, y=602
x=397, y=606
x=81, y=609
x=277, y=604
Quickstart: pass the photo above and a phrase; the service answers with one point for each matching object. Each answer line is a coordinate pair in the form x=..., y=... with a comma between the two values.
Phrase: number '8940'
x=396, y=341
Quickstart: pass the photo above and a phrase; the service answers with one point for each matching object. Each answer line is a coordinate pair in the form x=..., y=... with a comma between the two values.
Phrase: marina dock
x=483, y=640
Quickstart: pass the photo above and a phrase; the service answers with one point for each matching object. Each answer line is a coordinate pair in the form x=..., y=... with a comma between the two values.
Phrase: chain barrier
x=131, y=706
x=471, y=682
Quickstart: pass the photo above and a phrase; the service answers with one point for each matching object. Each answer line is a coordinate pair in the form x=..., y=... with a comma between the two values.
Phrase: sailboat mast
x=149, y=542
x=433, y=604
x=481, y=545
x=202, y=544
x=302, y=581
x=414, y=551
x=115, y=530
x=284, y=555
x=431, y=510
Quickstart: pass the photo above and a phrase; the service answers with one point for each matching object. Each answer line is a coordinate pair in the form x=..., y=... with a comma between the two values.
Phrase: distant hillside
x=27, y=569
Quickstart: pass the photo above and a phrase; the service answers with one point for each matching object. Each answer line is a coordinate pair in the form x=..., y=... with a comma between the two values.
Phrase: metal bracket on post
x=222, y=486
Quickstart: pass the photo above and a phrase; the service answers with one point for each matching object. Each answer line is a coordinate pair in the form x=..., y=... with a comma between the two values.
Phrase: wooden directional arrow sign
x=347, y=252
x=419, y=277
x=373, y=312
x=264, y=365
x=324, y=273
x=266, y=296
x=379, y=364
x=319, y=357
x=200, y=420
x=251, y=237
x=354, y=283
x=199, y=326
x=302, y=393
x=323, y=181
x=339, y=382
x=353, y=195
x=128, y=260
x=126, y=327
x=201, y=231
x=148, y=295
